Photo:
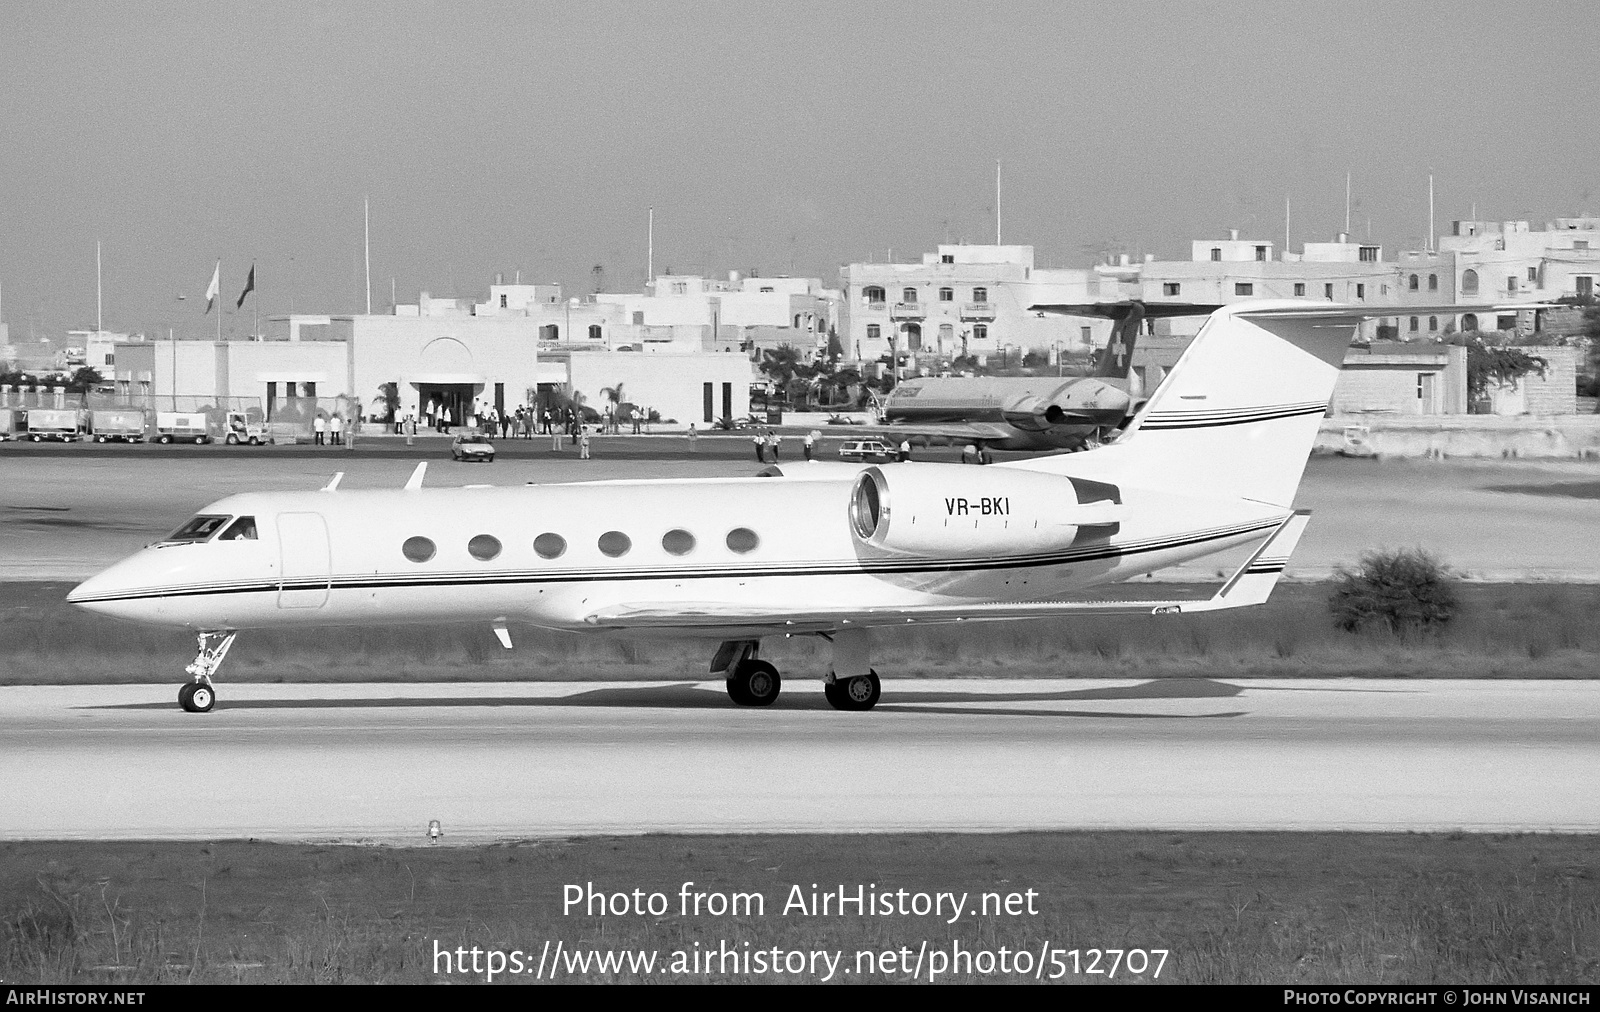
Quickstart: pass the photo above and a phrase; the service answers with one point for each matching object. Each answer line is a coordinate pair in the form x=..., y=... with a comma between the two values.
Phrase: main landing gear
x=852, y=685
x=198, y=696
x=858, y=693
x=751, y=681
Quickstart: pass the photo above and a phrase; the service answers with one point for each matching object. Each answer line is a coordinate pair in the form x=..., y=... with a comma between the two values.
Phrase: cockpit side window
x=242, y=529
x=199, y=529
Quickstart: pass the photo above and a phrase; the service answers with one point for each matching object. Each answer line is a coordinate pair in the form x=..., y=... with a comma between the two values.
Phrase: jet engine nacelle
x=962, y=510
x=1084, y=402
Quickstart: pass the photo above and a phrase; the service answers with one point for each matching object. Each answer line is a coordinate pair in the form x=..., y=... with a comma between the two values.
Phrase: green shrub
x=1400, y=591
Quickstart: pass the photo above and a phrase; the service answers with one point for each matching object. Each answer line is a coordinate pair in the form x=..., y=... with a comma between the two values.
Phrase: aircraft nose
x=115, y=592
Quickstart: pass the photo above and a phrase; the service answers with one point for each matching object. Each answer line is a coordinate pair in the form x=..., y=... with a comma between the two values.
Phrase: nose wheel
x=198, y=696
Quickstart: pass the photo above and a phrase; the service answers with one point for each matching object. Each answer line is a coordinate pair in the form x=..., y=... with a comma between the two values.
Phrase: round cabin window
x=677, y=542
x=615, y=543
x=418, y=549
x=742, y=540
x=484, y=547
x=550, y=546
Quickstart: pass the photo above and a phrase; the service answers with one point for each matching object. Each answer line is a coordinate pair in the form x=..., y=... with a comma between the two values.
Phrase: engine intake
x=965, y=511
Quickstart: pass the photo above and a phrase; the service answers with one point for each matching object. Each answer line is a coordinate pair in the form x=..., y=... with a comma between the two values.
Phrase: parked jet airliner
x=1034, y=412
x=832, y=550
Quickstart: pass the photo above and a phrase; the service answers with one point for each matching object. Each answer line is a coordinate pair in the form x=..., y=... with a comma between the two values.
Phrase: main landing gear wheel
x=197, y=697
x=859, y=693
x=754, y=683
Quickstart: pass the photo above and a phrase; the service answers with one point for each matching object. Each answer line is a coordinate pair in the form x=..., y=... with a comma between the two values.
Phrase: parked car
x=868, y=449
x=472, y=446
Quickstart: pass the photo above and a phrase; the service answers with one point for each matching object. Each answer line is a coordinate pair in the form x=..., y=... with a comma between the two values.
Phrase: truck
x=52, y=423
x=12, y=423
x=123, y=425
x=182, y=427
x=242, y=428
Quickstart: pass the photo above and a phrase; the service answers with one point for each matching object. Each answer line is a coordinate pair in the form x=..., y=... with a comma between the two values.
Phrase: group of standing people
x=328, y=430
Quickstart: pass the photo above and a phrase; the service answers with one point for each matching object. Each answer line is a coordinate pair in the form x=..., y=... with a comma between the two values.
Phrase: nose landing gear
x=198, y=696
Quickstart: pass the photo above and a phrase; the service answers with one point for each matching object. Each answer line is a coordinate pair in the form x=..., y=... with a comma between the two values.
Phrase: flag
x=249, y=286
x=211, y=289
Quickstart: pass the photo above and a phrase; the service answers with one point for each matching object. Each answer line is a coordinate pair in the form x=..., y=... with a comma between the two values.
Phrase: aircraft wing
x=985, y=431
x=1250, y=585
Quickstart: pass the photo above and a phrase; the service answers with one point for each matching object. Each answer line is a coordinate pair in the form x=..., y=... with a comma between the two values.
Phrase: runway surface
x=377, y=762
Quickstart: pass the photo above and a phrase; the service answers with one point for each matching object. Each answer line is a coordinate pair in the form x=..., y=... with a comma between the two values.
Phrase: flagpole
x=366, y=217
x=219, y=301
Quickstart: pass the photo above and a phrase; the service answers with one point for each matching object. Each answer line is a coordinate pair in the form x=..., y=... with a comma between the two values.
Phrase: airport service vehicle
x=124, y=425
x=13, y=422
x=60, y=424
x=832, y=550
x=182, y=427
x=242, y=430
x=473, y=446
x=867, y=449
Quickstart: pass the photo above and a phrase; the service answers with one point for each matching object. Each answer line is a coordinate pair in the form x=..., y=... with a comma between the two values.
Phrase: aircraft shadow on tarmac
x=696, y=696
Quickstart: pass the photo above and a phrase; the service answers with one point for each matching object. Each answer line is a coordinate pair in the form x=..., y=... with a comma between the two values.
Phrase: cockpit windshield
x=199, y=529
x=242, y=529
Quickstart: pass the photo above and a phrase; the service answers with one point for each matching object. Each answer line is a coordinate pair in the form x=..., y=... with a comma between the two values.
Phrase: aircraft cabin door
x=305, y=560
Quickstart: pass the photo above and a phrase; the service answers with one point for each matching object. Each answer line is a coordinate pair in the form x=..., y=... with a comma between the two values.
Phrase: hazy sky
x=787, y=137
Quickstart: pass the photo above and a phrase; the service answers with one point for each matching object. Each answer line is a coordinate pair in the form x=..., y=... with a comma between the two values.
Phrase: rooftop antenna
x=366, y=214
x=997, y=202
x=1285, y=227
x=1429, y=244
x=99, y=323
x=1347, y=203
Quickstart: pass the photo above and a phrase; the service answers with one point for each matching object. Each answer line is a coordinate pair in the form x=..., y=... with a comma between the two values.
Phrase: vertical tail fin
x=1117, y=356
x=1238, y=415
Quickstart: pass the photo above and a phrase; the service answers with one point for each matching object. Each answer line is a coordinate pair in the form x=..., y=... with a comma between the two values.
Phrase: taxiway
x=378, y=762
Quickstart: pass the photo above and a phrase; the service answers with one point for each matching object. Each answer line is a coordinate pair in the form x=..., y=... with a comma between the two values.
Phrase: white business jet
x=832, y=550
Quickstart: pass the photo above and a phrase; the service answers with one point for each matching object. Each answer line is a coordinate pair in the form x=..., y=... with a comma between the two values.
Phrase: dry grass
x=1504, y=631
x=1232, y=908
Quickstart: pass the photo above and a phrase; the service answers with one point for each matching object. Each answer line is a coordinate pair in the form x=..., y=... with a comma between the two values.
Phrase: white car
x=868, y=449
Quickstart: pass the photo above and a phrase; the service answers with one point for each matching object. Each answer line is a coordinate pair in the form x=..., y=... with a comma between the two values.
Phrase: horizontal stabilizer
x=1121, y=310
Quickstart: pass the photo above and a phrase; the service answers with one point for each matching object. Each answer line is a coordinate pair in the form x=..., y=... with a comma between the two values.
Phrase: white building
x=967, y=300
x=1498, y=261
x=746, y=313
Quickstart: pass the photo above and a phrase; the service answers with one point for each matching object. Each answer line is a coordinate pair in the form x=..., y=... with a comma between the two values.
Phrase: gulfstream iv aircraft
x=832, y=550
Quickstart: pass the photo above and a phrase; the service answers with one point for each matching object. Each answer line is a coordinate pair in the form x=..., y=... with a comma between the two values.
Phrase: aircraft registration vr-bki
x=1210, y=463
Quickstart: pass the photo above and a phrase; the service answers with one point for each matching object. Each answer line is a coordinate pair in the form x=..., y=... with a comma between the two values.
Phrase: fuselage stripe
x=874, y=567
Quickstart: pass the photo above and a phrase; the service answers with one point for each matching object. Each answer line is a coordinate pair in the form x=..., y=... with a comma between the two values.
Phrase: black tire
x=233, y=439
x=255, y=441
x=99, y=439
x=163, y=439
x=854, y=694
x=185, y=696
x=36, y=437
x=202, y=698
x=754, y=683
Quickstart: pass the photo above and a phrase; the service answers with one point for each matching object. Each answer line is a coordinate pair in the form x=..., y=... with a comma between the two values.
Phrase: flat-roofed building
x=967, y=300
